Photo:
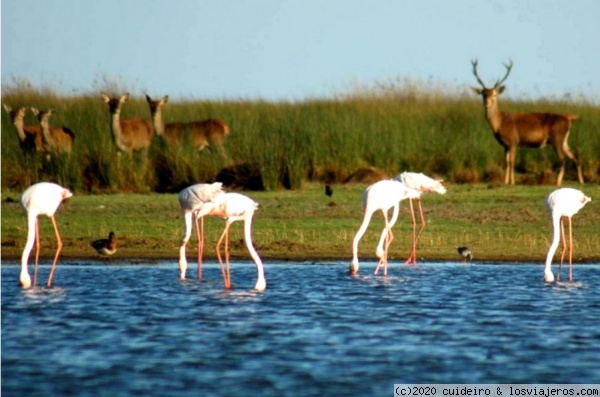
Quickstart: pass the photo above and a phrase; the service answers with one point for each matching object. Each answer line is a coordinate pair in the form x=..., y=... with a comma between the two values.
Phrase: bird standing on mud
x=106, y=246
x=465, y=253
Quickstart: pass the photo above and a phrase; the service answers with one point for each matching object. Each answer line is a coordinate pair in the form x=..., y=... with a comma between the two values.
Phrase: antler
x=508, y=68
x=474, y=63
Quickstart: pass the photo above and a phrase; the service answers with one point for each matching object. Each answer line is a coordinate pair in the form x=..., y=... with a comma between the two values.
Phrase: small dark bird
x=465, y=253
x=106, y=246
x=328, y=191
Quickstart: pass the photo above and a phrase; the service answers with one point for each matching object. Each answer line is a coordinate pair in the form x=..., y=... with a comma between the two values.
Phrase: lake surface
x=119, y=329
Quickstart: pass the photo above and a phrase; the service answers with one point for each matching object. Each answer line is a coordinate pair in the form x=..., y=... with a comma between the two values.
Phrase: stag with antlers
x=533, y=130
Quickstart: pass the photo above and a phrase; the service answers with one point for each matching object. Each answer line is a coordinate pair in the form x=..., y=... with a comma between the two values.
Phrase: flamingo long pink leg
x=200, y=233
x=413, y=254
x=37, y=251
x=570, y=251
x=58, y=249
x=388, y=240
x=228, y=268
x=412, y=257
x=564, y=248
x=226, y=279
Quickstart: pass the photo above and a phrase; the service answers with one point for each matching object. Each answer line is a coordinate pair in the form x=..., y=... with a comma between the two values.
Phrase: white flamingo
x=40, y=199
x=236, y=207
x=381, y=195
x=421, y=184
x=193, y=200
x=564, y=202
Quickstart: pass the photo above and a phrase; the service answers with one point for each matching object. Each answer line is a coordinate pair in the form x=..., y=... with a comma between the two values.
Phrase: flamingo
x=40, y=199
x=106, y=246
x=560, y=203
x=381, y=195
x=235, y=207
x=422, y=184
x=193, y=200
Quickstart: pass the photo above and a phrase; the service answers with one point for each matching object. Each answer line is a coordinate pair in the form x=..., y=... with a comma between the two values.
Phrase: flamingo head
x=353, y=268
x=548, y=276
x=25, y=280
x=261, y=284
x=182, y=267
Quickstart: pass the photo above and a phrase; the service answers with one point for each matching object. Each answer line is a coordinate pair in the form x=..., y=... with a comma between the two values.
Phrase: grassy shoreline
x=500, y=224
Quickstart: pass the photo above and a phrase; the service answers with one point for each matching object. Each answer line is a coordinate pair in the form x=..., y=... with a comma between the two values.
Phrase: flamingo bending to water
x=381, y=195
x=236, y=207
x=193, y=201
x=561, y=203
x=40, y=199
x=421, y=183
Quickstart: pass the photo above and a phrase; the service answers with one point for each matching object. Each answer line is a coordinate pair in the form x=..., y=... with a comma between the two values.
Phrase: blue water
x=136, y=330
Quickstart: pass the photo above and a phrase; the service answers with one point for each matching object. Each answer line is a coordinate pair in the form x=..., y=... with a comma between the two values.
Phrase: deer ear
x=476, y=90
x=124, y=98
x=165, y=99
x=8, y=108
x=35, y=111
x=501, y=89
x=105, y=97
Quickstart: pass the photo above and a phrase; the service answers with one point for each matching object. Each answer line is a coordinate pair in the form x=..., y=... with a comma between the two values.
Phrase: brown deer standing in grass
x=129, y=135
x=55, y=140
x=532, y=130
x=30, y=137
x=201, y=134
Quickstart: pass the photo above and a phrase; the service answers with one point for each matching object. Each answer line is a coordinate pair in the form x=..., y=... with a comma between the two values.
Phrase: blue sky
x=298, y=49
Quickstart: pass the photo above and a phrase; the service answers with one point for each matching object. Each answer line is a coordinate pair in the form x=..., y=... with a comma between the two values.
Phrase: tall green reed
x=288, y=143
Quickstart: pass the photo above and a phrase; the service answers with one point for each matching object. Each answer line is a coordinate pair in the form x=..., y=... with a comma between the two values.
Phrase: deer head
x=114, y=104
x=490, y=95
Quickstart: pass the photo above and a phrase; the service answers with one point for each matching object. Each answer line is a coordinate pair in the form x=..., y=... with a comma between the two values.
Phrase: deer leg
x=563, y=164
x=507, y=169
x=512, y=154
x=570, y=155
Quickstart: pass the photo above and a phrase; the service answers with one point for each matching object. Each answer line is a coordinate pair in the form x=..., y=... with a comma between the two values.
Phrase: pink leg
x=412, y=258
x=564, y=248
x=200, y=233
x=228, y=270
x=225, y=278
x=383, y=261
x=388, y=240
x=37, y=251
x=58, y=249
x=570, y=252
x=420, y=230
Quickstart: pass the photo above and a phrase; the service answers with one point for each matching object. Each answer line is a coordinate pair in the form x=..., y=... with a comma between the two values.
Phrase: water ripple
x=124, y=330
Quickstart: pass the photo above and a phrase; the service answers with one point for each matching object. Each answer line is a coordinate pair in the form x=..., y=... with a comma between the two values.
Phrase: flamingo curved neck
x=548, y=276
x=261, y=283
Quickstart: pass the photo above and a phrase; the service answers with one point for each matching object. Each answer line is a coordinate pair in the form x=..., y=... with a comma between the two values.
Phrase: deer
x=55, y=140
x=533, y=130
x=201, y=134
x=134, y=134
x=30, y=137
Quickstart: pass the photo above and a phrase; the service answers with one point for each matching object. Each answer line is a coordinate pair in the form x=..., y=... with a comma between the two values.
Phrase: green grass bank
x=498, y=223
